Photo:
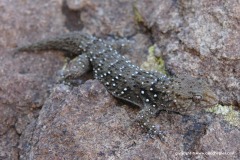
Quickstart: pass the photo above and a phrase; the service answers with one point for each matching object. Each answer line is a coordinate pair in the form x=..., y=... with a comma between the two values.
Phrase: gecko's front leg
x=72, y=71
x=143, y=119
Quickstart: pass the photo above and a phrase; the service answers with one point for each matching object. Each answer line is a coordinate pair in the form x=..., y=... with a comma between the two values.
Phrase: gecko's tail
x=73, y=43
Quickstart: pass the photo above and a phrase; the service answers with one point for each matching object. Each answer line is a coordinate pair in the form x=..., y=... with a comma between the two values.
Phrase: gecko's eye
x=197, y=98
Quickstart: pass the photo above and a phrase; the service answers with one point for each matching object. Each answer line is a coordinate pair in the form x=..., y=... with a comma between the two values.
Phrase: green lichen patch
x=153, y=62
x=137, y=16
x=230, y=115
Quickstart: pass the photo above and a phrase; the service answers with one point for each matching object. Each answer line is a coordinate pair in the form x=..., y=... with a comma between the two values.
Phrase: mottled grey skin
x=151, y=91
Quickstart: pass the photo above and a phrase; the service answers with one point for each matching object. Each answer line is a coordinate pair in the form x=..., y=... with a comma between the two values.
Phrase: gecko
x=151, y=91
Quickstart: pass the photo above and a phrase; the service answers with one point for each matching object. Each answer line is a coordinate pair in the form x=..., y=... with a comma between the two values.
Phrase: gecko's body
x=151, y=91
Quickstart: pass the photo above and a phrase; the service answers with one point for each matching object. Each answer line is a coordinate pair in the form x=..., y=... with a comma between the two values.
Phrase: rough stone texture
x=86, y=122
x=25, y=79
x=201, y=38
x=197, y=37
x=220, y=137
x=106, y=17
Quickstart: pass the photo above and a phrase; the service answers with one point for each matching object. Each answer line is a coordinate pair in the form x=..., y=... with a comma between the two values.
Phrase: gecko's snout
x=210, y=98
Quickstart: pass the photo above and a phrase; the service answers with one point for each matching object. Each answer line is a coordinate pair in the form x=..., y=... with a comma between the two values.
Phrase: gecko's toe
x=155, y=132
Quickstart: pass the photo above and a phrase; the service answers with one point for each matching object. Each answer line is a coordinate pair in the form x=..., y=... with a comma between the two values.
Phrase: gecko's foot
x=73, y=70
x=63, y=78
x=155, y=132
x=151, y=131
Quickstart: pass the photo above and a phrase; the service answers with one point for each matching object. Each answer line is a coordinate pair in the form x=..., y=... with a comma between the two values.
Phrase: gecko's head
x=191, y=94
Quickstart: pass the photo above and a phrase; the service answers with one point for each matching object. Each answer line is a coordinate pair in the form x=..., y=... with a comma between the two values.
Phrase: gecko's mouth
x=211, y=105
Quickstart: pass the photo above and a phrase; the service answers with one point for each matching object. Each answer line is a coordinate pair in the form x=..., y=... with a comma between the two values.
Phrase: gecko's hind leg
x=71, y=71
x=143, y=120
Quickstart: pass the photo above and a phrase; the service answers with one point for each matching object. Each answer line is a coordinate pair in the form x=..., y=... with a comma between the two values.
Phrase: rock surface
x=41, y=120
